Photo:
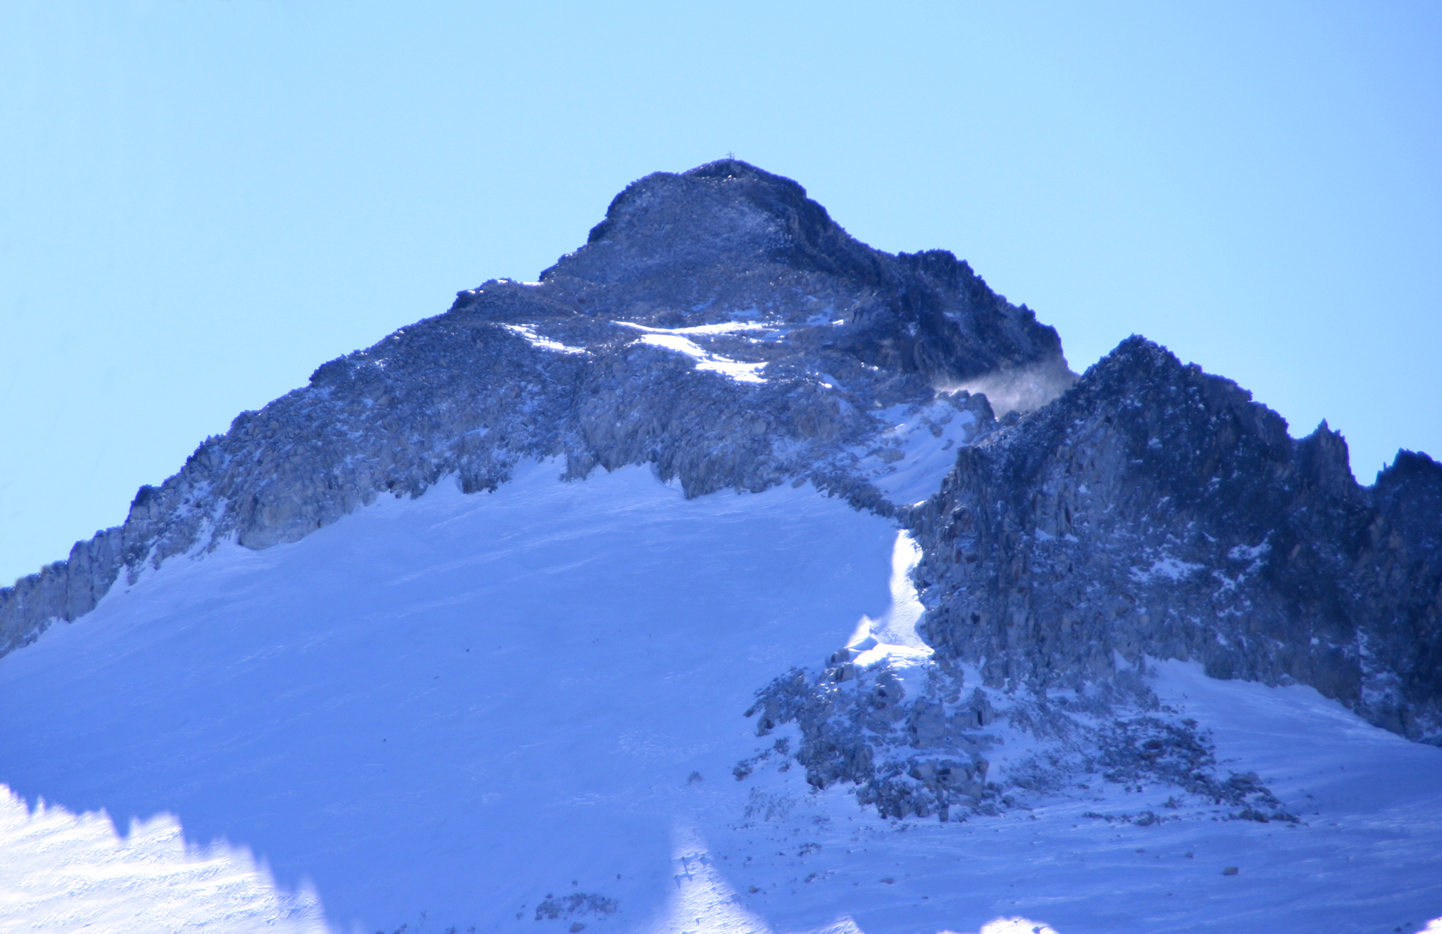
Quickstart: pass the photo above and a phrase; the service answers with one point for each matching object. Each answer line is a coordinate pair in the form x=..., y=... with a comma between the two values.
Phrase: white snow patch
x=1249, y=552
x=1169, y=568
x=918, y=449
x=705, y=360
x=703, y=330
x=1015, y=926
x=704, y=902
x=893, y=638
x=64, y=872
x=545, y=343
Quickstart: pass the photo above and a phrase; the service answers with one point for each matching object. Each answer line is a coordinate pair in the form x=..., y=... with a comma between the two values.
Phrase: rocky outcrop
x=1157, y=510
x=1151, y=511
x=921, y=756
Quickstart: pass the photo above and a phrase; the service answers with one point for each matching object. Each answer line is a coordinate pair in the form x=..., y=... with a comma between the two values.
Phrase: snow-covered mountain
x=737, y=576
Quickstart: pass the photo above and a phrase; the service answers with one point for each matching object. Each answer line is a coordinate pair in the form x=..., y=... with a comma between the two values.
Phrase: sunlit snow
x=703, y=330
x=893, y=638
x=543, y=343
x=65, y=872
x=676, y=341
x=917, y=449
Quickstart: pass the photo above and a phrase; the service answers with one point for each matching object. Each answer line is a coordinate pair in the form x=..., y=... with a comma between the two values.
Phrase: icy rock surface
x=1151, y=511
x=1157, y=510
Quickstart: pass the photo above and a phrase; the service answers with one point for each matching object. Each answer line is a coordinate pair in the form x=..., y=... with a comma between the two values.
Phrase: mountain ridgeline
x=470, y=392
x=1157, y=510
x=719, y=326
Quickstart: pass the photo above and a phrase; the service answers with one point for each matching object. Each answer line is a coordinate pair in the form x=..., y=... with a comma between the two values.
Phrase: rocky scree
x=929, y=754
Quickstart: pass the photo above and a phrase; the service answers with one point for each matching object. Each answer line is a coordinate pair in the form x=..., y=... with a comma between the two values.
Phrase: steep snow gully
x=698, y=587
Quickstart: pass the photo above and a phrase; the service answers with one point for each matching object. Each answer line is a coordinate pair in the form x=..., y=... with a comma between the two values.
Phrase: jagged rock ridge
x=1152, y=510
x=1158, y=510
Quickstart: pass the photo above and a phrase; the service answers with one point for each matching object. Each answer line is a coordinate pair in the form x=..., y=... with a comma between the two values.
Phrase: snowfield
x=521, y=711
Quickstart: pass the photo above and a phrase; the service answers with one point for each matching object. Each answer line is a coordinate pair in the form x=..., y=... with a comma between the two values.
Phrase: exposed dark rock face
x=927, y=755
x=922, y=756
x=1155, y=509
x=730, y=235
x=1151, y=510
x=816, y=330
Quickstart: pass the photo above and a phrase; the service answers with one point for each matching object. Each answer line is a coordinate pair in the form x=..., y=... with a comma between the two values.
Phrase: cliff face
x=1157, y=510
x=718, y=325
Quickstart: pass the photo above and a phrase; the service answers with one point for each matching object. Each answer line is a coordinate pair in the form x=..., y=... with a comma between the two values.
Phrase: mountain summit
x=718, y=325
x=727, y=236
x=738, y=575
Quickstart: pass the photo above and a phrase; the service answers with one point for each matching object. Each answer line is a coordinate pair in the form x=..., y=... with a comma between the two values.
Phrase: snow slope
x=521, y=710
x=453, y=705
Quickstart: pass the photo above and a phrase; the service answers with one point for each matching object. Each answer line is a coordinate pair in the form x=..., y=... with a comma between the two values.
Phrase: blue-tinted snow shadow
x=454, y=705
x=463, y=705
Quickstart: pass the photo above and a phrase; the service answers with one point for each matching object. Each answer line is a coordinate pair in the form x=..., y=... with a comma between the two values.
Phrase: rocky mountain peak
x=1409, y=492
x=723, y=211
x=728, y=242
x=717, y=325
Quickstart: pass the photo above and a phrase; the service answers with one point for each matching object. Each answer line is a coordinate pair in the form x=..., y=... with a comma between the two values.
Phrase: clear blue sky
x=202, y=200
